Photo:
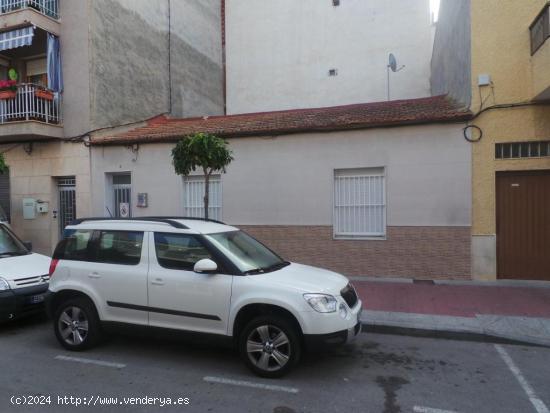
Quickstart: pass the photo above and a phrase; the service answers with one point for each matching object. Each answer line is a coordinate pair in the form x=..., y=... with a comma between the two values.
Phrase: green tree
x=3, y=166
x=201, y=151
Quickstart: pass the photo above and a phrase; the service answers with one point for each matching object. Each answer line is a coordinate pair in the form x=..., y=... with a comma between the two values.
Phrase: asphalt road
x=379, y=373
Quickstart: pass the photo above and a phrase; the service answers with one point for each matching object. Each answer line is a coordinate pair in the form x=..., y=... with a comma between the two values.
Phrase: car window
x=9, y=244
x=179, y=251
x=119, y=247
x=74, y=246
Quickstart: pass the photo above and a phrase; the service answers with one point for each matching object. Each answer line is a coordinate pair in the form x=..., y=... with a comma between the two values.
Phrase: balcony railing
x=30, y=102
x=540, y=29
x=47, y=7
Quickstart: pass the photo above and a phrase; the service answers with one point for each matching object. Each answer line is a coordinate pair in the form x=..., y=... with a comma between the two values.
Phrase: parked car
x=24, y=277
x=199, y=276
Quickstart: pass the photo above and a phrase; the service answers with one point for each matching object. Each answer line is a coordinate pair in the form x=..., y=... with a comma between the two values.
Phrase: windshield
x=3, y=215
x=249, y=255
x=10, y=246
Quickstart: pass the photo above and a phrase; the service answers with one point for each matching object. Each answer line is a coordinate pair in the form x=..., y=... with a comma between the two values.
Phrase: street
x=378, y=373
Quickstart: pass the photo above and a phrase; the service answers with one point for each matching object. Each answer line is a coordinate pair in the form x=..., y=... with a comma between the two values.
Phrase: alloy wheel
x=73, y=326
x=268, y=348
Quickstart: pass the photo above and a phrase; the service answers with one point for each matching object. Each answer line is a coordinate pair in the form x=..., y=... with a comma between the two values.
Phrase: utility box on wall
x=42, y=207
x=29, y=208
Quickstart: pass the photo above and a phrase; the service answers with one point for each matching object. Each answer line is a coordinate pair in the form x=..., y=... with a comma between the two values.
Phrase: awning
x=16, y=38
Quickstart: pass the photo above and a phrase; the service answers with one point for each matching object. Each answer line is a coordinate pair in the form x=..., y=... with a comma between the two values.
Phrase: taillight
x=53, y=265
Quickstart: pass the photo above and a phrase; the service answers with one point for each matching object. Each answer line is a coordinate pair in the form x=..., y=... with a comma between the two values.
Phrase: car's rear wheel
x=270, y=346
x=76, y=324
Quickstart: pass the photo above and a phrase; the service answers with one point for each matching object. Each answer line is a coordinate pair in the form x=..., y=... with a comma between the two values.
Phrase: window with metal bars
x=517, y=150
x=359, y=203
x=193, y=197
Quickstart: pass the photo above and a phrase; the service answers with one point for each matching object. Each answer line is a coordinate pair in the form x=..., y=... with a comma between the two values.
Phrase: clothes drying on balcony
x=16, y=38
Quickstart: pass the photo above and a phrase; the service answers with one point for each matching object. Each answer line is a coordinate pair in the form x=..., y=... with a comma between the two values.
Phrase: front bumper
x=323, y=341
x=21, y=302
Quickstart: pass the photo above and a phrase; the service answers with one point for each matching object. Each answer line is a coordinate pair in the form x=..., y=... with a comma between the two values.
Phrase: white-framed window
x=193, y=197
x=359, y=203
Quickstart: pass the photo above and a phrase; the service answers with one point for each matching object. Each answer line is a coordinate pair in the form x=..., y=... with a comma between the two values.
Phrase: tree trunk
x=206, y=193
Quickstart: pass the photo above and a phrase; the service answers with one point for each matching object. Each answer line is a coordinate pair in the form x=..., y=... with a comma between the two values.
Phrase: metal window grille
x=540, y=29
x=360, y=203
x=47, y=7
x=27, y=103
x=122, y=193
x=193, y=197
x=518, y=150
x=67, y=201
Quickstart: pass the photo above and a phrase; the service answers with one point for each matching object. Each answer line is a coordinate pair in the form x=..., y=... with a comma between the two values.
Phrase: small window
x=74, y=246
x=120, y=247
x=360, y=203
x=179, y=251
x=518, y=150
x=193, y=197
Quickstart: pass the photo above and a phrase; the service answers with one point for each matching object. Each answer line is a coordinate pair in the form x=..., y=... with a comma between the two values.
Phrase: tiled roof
x=434, y=109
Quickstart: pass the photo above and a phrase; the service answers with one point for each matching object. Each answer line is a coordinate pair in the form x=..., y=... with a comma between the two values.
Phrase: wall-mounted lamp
x=28, y=147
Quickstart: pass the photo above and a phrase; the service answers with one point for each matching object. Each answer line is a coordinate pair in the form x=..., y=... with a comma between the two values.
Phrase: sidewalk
x=465, y=310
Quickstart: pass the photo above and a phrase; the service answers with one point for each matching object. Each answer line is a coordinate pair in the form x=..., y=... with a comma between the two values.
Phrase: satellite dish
x=392, y=63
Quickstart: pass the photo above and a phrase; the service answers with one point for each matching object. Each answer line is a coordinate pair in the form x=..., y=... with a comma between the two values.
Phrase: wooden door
x=523, y=225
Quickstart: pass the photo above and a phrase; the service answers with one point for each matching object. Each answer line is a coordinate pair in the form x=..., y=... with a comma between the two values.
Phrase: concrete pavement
x=498, y=311
x=378, y=374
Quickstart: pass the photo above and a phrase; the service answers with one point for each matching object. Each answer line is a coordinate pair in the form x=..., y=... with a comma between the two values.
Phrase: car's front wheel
x=76, y=324
x=270, y=346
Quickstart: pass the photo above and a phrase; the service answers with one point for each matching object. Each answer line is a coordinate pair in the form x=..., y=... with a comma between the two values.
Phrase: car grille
x=30, y=281
x=349, y=295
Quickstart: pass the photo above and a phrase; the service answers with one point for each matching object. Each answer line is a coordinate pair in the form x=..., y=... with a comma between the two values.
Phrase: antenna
x=392, y=64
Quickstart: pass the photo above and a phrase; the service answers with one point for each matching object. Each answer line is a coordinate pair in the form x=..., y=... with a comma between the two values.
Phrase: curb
x=446, y=335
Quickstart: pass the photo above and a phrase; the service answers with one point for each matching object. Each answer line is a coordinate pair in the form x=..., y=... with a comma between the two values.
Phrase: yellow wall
x=501, y=48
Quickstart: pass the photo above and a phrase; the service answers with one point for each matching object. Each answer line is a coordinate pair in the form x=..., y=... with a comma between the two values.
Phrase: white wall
x=279, y=52
x=288, y=180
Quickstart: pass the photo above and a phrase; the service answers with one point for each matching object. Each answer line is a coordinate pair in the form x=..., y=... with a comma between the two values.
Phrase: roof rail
x=191, y=219
x=167, y=220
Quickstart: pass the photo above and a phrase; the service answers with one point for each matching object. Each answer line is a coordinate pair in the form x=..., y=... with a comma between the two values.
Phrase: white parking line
x=89, y=361
x=220, y=380
x=539, y=405
x=422, y=409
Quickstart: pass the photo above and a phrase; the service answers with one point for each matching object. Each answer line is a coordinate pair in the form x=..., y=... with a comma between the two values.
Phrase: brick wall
x=411, y=252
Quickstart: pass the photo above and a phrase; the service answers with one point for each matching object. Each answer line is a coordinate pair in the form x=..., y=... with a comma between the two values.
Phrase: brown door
x=523, y=225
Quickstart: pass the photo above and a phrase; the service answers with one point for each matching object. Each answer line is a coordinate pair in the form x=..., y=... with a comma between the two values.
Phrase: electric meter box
x=29, y=208
x=42, y=207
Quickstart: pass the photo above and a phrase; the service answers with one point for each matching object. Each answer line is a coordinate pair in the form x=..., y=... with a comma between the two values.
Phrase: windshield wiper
x=277, y=266
x=12, y=254
x=254, y=271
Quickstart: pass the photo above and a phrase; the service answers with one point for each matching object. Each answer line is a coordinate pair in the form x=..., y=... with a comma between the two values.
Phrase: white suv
x=199, y=276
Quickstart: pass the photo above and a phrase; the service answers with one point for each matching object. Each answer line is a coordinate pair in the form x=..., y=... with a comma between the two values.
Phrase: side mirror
x=206, y=266
x=28, y=245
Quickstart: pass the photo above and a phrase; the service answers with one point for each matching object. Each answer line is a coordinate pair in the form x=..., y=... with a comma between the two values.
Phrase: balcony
x=30, y=102
x=540, y=54
x=48, y=8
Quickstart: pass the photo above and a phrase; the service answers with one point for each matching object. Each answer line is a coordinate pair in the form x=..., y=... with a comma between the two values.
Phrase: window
x=10, y=246
x=193, y=197
x=540, y=29
x=179, y=251
x=518, y=150
x=120, y=247
x=74, y=246
x=359, y=203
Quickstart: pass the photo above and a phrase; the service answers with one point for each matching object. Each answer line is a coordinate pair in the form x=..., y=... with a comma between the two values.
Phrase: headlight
x=4, y=285
x=342, y=310
x=322, y=303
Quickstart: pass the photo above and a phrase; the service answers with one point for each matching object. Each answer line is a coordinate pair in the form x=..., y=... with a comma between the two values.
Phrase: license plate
x=36, y=299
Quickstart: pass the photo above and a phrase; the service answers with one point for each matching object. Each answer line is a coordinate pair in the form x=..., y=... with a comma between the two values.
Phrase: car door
x=179, y=298
x=118, y=275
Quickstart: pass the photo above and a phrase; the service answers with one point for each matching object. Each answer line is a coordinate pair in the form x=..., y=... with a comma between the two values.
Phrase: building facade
x=121, y=62
x=500, y=67
x=377, y=189
x=287, y=54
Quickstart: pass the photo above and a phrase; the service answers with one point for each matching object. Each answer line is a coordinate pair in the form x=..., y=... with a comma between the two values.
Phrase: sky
x=434, y=6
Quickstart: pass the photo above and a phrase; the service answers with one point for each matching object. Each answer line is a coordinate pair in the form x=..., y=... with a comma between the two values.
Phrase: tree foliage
x=3, y=166
x=205, y=152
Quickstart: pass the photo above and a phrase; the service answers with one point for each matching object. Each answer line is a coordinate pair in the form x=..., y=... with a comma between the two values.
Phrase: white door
x=179, y=298
x=118, y=274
